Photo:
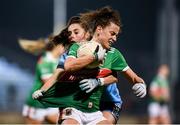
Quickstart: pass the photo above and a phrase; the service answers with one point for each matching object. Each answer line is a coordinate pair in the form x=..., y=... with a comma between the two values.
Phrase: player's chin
x=108, y=46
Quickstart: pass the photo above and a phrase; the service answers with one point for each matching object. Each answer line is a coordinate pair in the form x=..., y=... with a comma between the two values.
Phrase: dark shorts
x=114, y=108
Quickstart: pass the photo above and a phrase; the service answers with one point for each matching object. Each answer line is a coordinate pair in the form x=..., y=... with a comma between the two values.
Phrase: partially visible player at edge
x=159, y=97
x=33, y=111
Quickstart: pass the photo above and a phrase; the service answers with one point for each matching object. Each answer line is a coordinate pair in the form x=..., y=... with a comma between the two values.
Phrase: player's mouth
x=110, y=42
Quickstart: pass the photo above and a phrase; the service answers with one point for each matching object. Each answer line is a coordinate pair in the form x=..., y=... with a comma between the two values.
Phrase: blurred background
x=150, y=36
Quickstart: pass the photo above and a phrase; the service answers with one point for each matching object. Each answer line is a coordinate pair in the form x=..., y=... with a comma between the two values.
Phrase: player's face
x=108, y=35
x=77, y=33
x=164, y=70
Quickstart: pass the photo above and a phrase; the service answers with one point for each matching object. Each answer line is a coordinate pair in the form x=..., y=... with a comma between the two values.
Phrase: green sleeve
x=73, y=50
x=114, y=60
x=119, y=62
x=45, y=69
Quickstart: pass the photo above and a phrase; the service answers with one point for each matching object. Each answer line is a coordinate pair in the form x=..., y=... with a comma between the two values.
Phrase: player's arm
x=132, y=76
x=52, y=80
x=88, y=85
x=109, y=80
x=105, y=77
x=139, y=86
x=48, y=84
x=73, y=64
x=48, y=77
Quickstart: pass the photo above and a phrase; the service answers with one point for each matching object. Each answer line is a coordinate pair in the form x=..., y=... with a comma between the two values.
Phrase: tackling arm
x=109, y=80
x=89, y=85
x=104, y=78
x=74, y=64
x=51, y=81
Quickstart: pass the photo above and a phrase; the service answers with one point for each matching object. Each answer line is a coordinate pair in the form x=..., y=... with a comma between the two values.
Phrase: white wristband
x=101, y=81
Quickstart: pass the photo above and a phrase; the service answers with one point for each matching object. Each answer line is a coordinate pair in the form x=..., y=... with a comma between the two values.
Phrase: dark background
x=34, y=19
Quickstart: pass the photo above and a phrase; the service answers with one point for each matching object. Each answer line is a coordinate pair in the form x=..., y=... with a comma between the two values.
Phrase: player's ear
x=87, y=36
x=99, y=29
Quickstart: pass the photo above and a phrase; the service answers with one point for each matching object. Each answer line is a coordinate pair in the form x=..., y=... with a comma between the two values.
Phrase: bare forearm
x=132, y=77
x=52, y=80
x=74, y=64
x=110, y=79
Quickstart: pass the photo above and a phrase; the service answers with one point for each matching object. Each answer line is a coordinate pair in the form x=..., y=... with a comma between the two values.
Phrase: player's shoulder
x=74, y=44
x=114, y=51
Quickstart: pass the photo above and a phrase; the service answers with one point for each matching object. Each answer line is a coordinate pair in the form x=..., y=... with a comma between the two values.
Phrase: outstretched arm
x=132, y=76
x=139, y=87
x=48, y=83
x=51, y=81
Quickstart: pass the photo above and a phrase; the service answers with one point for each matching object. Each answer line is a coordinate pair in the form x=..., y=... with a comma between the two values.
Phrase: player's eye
x=76, y=31
x=113, y=33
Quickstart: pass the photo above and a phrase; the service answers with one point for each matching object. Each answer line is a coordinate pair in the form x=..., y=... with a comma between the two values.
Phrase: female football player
x=105, y=31
x=33, y=111
x=105, y=26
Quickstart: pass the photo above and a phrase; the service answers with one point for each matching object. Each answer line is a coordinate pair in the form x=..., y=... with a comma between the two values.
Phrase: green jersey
x=44, y=69
x=160, y=84
x=114, y=60
x=68, y=94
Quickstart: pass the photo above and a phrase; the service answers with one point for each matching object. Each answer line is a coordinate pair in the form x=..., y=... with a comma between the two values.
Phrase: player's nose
x=114, y=38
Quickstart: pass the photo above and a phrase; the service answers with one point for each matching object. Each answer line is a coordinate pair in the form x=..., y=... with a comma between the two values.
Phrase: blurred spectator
x=159, y=97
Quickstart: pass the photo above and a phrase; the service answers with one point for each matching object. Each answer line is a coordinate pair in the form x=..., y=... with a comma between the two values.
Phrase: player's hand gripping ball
x=92, y=48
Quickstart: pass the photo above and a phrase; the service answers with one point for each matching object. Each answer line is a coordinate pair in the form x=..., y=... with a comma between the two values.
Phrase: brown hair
x=100, y=17
x=62, y=37
x=77, y=19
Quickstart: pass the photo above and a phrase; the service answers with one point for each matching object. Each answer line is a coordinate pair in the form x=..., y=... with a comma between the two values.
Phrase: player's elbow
x=68, y=67
x=115, y=80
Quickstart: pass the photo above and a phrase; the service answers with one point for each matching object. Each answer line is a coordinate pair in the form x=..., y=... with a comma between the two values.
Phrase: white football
x=89, y=48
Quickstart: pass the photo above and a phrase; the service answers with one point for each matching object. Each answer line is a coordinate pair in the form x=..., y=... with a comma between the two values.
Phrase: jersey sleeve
x=114, y=60
x=119, y=62
x=45, y=70
x=73, y=50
